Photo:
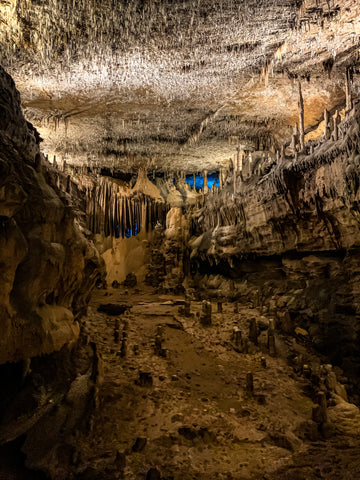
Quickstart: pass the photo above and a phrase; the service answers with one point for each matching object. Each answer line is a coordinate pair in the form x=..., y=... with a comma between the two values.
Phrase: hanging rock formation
x=294, y=233
x=113, y=213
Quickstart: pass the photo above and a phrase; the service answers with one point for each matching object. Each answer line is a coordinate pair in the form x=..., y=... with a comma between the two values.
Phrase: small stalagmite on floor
x=205, y=317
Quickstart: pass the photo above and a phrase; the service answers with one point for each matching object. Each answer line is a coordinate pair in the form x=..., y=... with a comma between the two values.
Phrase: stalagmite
x=272, y=347
x=236, y=336
x=205, y=317
x=245, y=346
x=271, y=330
x=158, y=348
x=116, y=331
x=250, y=383
x=327, y=129
x=348, y=95
x=253, y=331
x=301, y=120
x=123, y=348
x=336, y=121
x=319, y=413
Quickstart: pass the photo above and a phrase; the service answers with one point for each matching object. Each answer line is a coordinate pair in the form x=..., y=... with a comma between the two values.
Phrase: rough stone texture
x=48, y=266
x=167, y=88
x=290, y=242
x=184, y=82
x=305, y=205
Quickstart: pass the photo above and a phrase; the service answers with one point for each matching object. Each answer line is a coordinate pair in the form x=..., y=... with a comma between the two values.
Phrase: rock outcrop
x=310, y=204
x=48, y=266
x=289, y=243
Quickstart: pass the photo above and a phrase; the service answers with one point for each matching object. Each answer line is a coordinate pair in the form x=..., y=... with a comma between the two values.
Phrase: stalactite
x=327, y=132
x=113, y=214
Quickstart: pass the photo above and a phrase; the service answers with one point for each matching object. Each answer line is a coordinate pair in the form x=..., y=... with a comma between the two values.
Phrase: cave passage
x=199, y=180
x=223, y=341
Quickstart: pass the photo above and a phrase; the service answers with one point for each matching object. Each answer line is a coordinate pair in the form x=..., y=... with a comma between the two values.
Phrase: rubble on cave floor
x=181, y=400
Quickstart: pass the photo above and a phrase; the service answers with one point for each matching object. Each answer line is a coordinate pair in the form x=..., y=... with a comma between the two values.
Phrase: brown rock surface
x=48, y=266
x=290, y=240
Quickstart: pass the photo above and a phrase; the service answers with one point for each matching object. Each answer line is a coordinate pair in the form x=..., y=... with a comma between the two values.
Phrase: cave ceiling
x=175, y=85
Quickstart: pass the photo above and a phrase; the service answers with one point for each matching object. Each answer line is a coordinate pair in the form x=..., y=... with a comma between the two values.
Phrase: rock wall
x=310, y=204
x=289, y=243
x=47, y=264
x=127, y=255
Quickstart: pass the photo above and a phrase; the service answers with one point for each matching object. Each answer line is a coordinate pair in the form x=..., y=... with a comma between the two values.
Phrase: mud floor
x=176, y=398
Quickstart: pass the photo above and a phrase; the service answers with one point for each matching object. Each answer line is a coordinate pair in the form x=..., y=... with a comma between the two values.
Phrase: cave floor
x=197, y=417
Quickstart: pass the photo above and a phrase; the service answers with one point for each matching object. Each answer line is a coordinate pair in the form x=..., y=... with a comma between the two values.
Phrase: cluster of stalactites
x=246, y=167
x=227, y=209
x=112, y=213
x=332, y=131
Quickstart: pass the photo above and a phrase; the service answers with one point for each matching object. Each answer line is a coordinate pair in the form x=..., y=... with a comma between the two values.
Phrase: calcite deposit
x=179, y=239
x=48, y=264
x=290, y=239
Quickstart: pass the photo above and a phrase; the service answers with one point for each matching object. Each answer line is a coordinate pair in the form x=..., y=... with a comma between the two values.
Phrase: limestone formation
x=249, y=383
x=179, y=155
x=49, y=265
x=301, y=120
x=205, y=317
x=253, y=331
x=320, y=411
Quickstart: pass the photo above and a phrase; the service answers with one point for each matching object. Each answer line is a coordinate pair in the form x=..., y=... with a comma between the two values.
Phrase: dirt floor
x=190, y=414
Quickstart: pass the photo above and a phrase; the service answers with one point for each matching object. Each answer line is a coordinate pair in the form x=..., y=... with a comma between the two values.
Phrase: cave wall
x=289, y=244
x=304, y=205
x=48, y=264
x=127, y=255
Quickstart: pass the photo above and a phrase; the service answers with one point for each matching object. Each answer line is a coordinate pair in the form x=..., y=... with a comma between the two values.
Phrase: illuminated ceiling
x=174, y=84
